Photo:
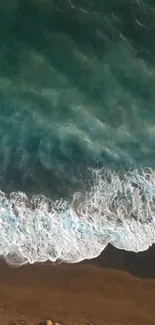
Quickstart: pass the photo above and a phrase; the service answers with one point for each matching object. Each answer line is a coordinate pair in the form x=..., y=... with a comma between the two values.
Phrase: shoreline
x=96, y=292
x=140, y=265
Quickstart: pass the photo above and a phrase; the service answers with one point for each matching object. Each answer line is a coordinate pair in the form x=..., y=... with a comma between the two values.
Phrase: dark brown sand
x=118, y=288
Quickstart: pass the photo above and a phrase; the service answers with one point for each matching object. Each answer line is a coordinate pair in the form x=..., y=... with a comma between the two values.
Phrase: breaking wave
x=118, y=209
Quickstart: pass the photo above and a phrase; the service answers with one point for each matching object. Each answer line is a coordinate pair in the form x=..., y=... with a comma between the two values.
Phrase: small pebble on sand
x=49, y=322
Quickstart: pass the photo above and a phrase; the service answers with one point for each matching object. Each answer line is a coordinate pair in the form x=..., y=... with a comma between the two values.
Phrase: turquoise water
x=77, y=128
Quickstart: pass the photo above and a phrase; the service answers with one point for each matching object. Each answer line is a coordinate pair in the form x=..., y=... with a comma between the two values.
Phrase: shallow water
x=77, y=128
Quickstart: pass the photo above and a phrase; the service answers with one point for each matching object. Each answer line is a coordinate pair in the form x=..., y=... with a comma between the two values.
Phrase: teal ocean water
x=77, y=128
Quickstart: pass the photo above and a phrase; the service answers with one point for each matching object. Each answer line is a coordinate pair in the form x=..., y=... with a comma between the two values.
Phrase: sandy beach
x=105, y=291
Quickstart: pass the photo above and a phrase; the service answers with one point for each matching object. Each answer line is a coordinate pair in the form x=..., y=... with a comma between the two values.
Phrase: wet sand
x=118, y=288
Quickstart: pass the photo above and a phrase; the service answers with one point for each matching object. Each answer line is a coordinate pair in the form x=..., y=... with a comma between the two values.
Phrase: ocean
x=77, y=128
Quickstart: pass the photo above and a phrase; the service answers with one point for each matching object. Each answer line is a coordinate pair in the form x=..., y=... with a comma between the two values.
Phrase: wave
x=119, y=209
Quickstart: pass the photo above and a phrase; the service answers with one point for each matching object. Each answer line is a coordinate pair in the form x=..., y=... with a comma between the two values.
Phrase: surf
x=119, y=209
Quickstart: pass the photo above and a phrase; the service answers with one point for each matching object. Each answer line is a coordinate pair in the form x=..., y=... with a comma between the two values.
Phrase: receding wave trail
x=118, y=209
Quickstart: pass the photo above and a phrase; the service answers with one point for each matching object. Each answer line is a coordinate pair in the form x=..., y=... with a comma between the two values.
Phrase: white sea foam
x=118, y=209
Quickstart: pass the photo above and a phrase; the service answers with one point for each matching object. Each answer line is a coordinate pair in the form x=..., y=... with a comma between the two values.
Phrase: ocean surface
x=77, y=128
